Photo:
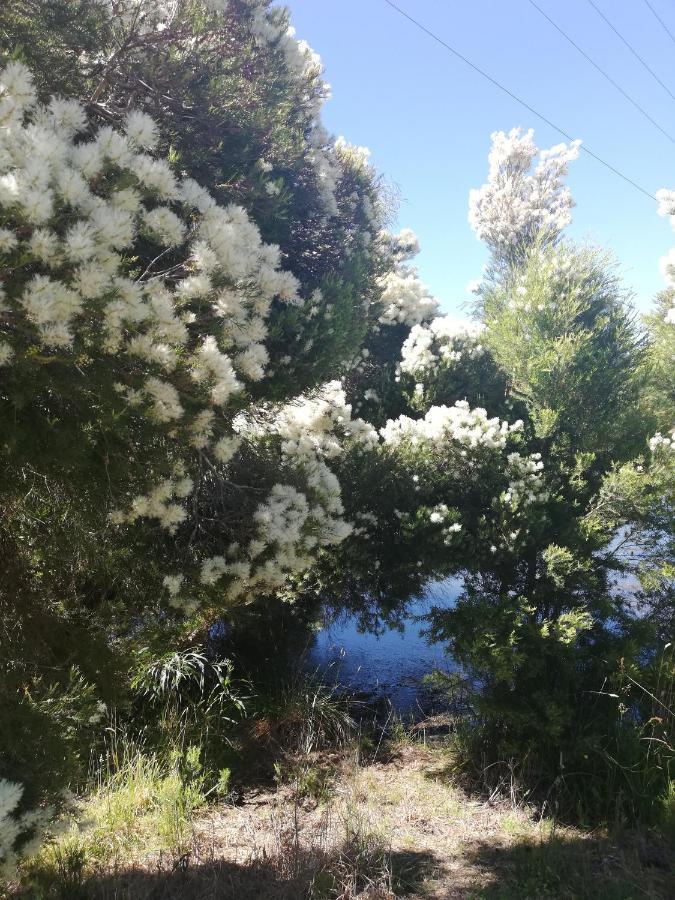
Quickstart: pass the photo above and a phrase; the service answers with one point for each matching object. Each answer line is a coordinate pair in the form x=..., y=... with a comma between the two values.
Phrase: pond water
x=390, y=665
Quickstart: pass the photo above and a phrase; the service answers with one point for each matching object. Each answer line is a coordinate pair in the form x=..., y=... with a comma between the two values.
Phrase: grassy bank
x=385, y=822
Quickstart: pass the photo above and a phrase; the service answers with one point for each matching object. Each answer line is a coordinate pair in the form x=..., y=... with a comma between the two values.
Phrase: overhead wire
x=660, y=20
x=631, y=48
x=515, y=97
x=605, y=75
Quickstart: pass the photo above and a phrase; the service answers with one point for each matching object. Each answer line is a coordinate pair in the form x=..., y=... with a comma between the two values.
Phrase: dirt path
x=334, y=827
x=400, y=829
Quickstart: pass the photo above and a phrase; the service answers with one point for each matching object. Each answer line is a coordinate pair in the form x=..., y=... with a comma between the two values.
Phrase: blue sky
x=427, y=118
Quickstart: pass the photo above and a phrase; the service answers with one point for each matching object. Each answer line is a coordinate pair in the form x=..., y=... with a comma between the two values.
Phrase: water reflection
x=391, y=660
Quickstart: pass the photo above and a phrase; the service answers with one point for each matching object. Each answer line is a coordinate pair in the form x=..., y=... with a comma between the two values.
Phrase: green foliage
x=560, y=330
x=659, y=375
x=142, y=805
x=572, y=691
x=301, y=714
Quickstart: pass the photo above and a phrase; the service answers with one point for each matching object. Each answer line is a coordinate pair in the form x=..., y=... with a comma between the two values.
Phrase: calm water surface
x=392, y=664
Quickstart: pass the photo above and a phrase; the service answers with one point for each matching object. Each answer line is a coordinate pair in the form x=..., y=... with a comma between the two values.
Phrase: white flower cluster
x=321, y=155
x=468, y=427
x=405, y=300
x=160, y=503
x=526, y=482
x=148, y=16
x=14, y=826
x=445, y=340
x=402, y=246
x=516, y=203
x=291, y=525
x=321, y=425
x=662, y=442
x=666, y=200
x=68, y=226
x=47, y=177
x=270, y=27
x=439, y=515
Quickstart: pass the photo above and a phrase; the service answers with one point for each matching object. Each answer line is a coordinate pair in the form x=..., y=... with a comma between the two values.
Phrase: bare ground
x=395, y=828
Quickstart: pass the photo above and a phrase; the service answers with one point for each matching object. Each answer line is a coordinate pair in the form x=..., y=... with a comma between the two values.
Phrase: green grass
x=143, y=807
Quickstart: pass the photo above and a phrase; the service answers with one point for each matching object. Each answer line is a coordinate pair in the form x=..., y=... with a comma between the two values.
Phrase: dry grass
x=393, y=828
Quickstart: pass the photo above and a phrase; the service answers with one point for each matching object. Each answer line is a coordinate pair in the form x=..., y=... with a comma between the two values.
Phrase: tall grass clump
x=185, y=698
x=140, y=807
x=301, y=714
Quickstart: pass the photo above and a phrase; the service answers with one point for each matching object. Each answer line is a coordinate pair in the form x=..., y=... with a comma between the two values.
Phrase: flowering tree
x=539, y=622
x=161, y=358
x=222, y=380
x=518, y=205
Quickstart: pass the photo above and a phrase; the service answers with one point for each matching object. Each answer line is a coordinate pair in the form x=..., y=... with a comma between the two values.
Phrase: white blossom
x=446, y=339
x=467, y=427
x=141, y=129
x=405, y=300
x=660, y=442
x=516, y=204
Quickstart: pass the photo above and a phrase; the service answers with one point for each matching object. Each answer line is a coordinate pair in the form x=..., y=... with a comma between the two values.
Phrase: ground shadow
x=594, y=867
x=371, y=873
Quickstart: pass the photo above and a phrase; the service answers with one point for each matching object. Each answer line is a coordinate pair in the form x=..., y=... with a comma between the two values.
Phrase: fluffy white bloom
x=173, y=584
x=50, y=305
x=114, y=147
x=6, y=353
x=141, y=129
x=328, y=172
x=155, y=175
x=225, y=448
x=14, y=825
x=526, y=483
x=405, y=245
x=439, y=515
x=467, y=427
x=320, y=425
x=270, y=27
x=17, y=92
x=165, y=226
x=405, y=300
x=666, y=200
x=212, y=569
x=114, y=227
x=203, y=257
x=80, y=242
x=252, y=361
x=283, y=514
x=517, y=203
x=293, y=524
x=662, y=442
x=68, y=115
x=202, y=428
x=8, y=240
x=216, y=367
x=446, y=339
x=10, y=826
x=165, y=400
x=44, y=245
x=160, y=503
